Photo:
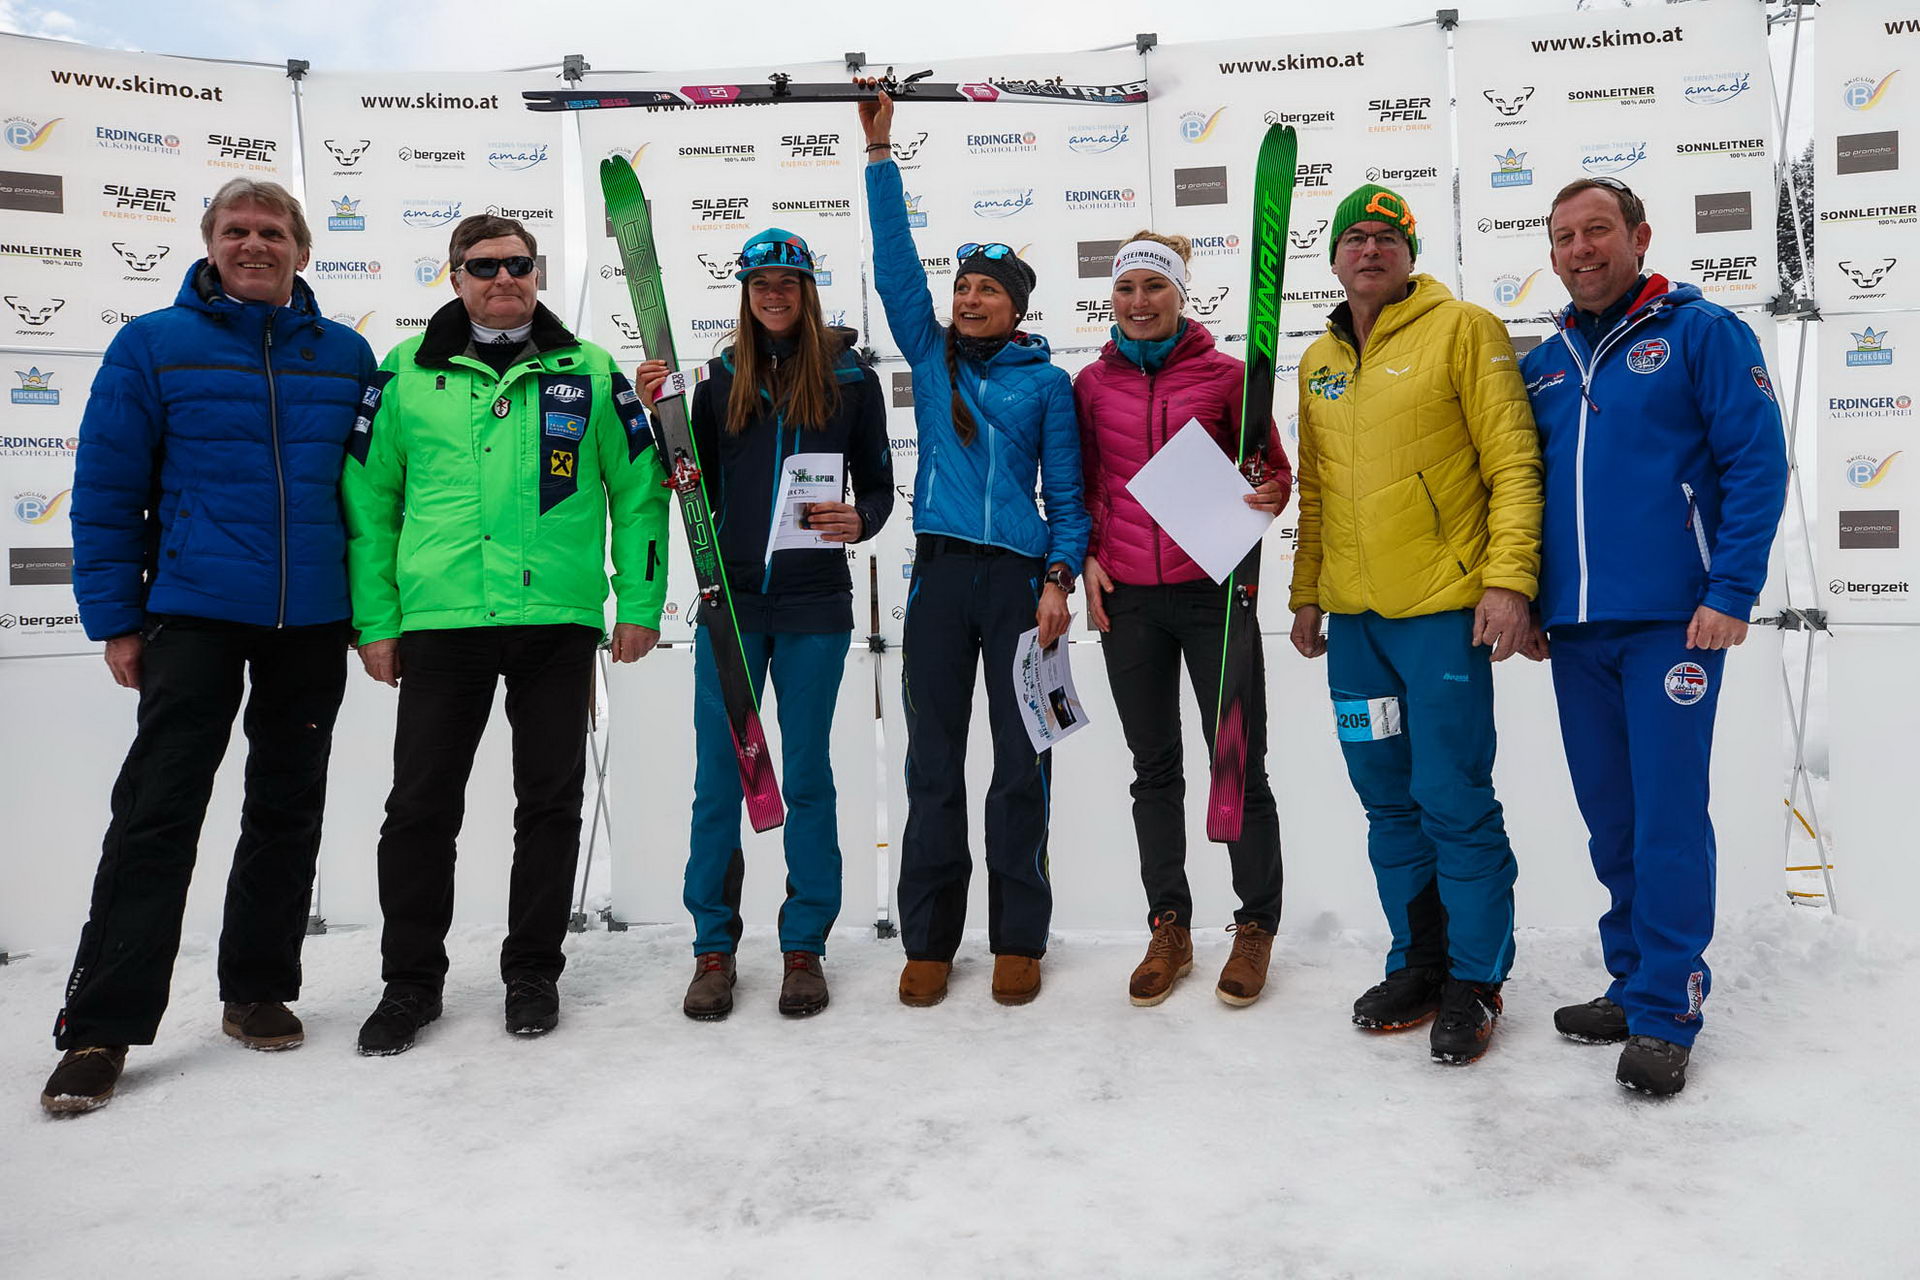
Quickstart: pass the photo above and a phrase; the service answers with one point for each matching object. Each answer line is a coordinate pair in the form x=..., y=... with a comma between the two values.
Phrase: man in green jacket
x=489, y=453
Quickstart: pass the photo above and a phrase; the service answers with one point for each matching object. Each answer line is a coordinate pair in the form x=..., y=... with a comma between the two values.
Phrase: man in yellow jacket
x=1419, y=484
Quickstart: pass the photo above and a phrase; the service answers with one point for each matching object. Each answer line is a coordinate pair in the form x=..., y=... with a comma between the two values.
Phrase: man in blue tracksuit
x=1666, y=471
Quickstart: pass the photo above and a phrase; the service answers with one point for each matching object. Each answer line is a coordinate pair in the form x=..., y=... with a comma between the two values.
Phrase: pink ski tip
x=1227, y=791
x=712, y=92
x=980, y=92
x=764, y=808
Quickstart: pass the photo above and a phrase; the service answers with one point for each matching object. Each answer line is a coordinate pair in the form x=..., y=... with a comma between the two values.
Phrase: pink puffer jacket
x=1125, y=416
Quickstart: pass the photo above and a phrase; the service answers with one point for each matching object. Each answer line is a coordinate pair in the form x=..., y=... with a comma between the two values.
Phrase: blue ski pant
x=806, y=671
x=1413, y=705
x=969, y=604
x=1636, y=715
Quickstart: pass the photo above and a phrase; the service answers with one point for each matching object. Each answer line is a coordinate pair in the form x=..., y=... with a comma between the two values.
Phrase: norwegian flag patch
x=1686, y=683
x=1762, y=381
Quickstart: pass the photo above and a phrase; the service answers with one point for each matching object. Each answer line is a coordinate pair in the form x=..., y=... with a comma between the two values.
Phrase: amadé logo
x=1612, y=157
x=513, y=158
x=1003, y=202
x=1091, y=142
x=1712, y=90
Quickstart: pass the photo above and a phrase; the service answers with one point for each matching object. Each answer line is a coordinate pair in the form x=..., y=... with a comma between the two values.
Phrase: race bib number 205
x=1366, y=719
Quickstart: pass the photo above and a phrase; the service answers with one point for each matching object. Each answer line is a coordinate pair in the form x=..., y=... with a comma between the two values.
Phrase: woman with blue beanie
x=789, y=385
x=994, y=416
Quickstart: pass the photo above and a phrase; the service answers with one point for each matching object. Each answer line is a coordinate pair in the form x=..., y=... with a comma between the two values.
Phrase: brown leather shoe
x=803, y=991
x=924, y=982
x=262, y=1024
x=1169, y=958
x=1016, y=979
x=83, y=1081
x=1245, y=975
x=710, y=994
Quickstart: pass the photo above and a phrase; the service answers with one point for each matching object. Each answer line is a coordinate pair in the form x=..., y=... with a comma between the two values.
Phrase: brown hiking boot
x=924, y=982
x=710, y=994
x=1016, y=979
x=1169, y=958
x=262, y=1024
x=803, y=991
x=1245, y=975
x=83, y=1081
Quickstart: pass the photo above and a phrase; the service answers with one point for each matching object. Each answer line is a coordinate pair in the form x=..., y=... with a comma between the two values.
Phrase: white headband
x=1153, y=256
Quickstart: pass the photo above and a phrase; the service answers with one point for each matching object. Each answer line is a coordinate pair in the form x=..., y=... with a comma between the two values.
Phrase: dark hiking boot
x=1169, y=958
x=1653, y=1066
x=1245, y=974
x=1598, y=1021
x=265, y=1025
x=924, y=982
x=1464, y=1024
x=803, y=992
x=83, y=1081
x=1407, y=998
x=710, y=994
x=394, y=1023
x=533, y=1005
x=1016, y=979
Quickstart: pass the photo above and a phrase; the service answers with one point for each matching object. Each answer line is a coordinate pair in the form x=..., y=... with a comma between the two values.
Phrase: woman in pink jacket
x=1160, y=610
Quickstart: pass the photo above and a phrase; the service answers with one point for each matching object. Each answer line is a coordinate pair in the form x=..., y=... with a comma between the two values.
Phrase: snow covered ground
x=1075, y=1136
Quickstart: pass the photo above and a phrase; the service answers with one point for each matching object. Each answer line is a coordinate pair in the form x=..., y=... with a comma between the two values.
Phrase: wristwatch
x=1062, y=577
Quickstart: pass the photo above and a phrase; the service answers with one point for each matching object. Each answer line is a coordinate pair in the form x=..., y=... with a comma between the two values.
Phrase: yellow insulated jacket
x=1419, y=466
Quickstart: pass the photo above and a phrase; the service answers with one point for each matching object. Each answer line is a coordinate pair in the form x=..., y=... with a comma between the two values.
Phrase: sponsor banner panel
x=1369, y=106
x=1866, y=197
x=107, y=161
x=39, y=433
x=393, y=164
x=1869, y=535
x=1675, y=103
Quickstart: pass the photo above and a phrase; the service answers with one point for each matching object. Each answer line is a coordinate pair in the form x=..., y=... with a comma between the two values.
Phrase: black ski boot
x=533, y=1005
x=1598, y=1021
x=1407, y=998
x=1468, y=1011
x=1653, y=1066
x=394, y=1023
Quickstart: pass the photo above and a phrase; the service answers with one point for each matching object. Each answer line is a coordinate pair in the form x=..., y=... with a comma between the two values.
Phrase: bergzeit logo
x=1867, y=471
x=1089, y=142
x=1403, y=175
x=1870, y=349
x=511, y=157
x=40, y=621
x=1867, y=152
x=1612, y=157
x=1200, y=186
x=1198, y=126
x=346, y=215
x=1712, y=90
x=113, y=316
x=1510, y=226
x=432, y=157
x=1513, y=171
x=1863, y=93
x=35, y=387
x=23, y=134
x=1001, y=202
x=1303, y=119
x=1857, y=590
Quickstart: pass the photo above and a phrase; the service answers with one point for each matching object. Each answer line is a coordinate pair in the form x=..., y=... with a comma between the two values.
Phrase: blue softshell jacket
x=1022, y=404
x=1666, y=466
x=207, y=481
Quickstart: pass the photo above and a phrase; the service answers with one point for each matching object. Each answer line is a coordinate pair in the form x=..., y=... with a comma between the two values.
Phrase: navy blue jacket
x=1666, y=466
x=207, y=481
x=1023, y=404
x=797, y=590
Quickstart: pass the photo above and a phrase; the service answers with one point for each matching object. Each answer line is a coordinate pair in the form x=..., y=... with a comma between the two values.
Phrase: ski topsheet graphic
x=1272, y=207
x=632, y=228
x=781, y=87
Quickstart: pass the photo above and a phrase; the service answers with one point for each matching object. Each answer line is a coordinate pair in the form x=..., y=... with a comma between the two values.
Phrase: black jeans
x=970, y=604
x=1154, y=630
x=447, y=679
x=192, y=672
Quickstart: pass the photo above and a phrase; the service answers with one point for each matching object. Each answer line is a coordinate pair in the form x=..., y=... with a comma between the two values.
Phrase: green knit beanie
x=1374, y=203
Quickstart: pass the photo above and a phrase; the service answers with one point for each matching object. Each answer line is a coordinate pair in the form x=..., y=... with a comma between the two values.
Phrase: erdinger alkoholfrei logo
x=347, y=152
x=23, y=134
x=1869, y=349
x=346, y=215
x=35, y=387
x=1198, y=126
x=35, y=313
x=1686, y=683
x=1863, y=93
x=1648, y=355
x=1867, y=470
x=1511, y=103
x=141, y=261
x=1513, y=171
x=1868, y=275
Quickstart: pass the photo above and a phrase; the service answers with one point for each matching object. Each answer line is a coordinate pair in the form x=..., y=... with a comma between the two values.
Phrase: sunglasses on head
x=487, y=268
x=1613, y=184
x=775, y=253
x=970, y=249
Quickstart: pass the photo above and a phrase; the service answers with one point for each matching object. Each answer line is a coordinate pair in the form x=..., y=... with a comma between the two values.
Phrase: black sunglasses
x=487, y=268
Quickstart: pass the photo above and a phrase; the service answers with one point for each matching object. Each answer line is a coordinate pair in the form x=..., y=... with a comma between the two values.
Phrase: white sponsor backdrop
x=1869, y=566
x=392, y=167
x=38, y=436
x=1676, y=102
x=1369, y=106
x=1867, y=223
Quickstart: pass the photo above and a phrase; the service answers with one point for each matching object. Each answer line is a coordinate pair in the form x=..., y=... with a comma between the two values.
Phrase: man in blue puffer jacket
x=1666, y=471
x=209, y=545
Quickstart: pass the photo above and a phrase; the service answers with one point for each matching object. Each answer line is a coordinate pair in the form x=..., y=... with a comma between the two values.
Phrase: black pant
x=968, y=604
x=1155, y=629
x=447, y=679
x=190, y=684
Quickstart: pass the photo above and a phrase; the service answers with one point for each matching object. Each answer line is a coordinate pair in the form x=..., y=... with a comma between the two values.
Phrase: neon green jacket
x=478, y=500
